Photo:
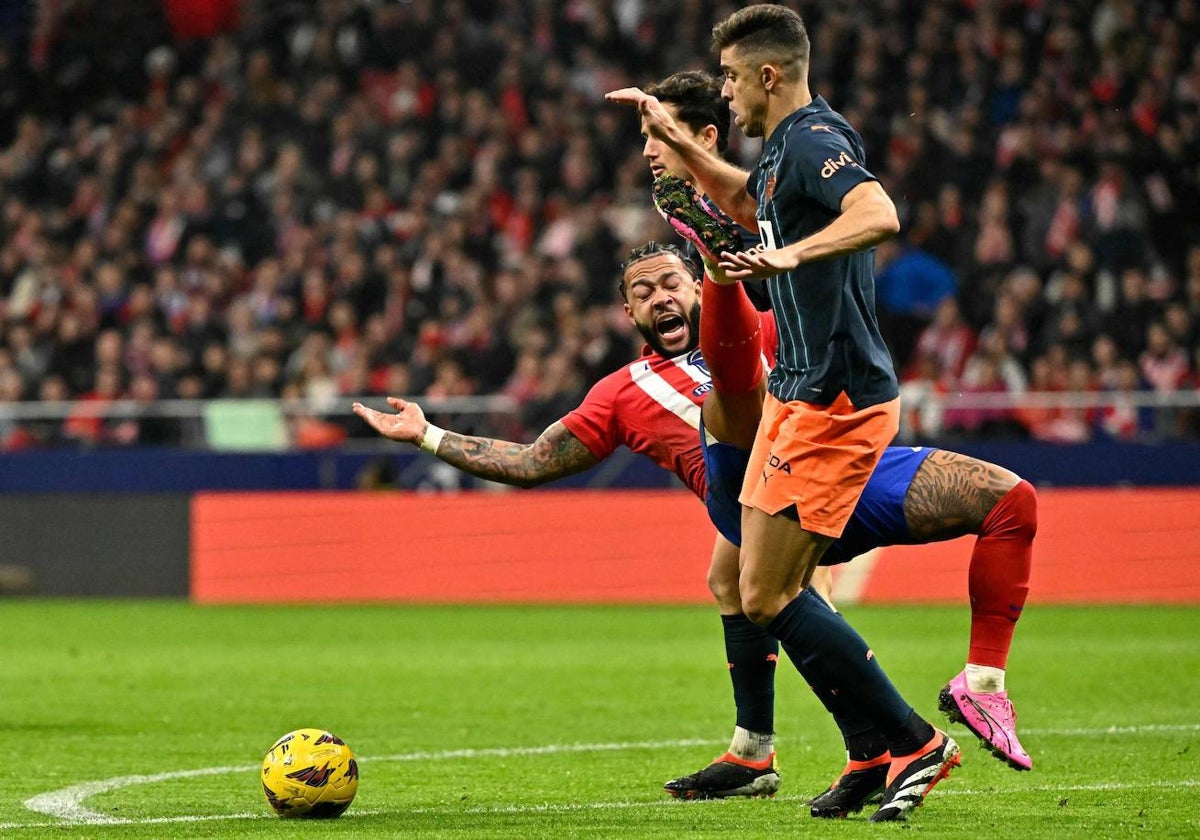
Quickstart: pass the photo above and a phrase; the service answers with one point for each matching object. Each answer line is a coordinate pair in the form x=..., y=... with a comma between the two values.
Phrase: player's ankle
x=984, y=679
x=752, y=746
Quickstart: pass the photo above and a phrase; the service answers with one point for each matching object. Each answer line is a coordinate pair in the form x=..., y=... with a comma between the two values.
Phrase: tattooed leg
x=952, y=495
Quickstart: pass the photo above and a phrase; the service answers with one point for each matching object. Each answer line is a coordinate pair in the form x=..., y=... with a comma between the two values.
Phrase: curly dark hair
x=654, y=249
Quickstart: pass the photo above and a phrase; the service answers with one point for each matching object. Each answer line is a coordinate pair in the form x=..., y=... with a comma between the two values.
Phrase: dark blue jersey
x=829, y=339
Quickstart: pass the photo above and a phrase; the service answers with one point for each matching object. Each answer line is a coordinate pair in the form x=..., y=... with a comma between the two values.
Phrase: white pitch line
x=187, y=818
x=1150, y=728
x=568, y=807
x=575, y=807
x=66, y=804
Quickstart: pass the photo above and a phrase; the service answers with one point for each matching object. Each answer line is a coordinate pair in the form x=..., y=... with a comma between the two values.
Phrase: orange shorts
x=817, y=458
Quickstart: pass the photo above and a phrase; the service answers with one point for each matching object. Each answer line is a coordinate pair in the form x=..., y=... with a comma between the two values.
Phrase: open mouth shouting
x=671, y=328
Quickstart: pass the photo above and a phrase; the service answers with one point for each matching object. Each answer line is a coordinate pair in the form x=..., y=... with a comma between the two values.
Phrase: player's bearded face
x=672, y=333
x=662, y=298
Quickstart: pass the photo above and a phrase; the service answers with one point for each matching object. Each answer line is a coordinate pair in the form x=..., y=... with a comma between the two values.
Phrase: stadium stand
x=323, y=200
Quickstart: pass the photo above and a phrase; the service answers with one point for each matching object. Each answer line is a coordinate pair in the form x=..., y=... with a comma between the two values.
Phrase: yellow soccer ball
x=310, y=773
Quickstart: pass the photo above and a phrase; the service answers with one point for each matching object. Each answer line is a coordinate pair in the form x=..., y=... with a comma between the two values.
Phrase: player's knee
x=1016, y=513
x=723, y=584
x=760, y=606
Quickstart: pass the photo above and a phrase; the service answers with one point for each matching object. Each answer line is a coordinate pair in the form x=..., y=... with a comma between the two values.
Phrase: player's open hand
x=756, y=264
x=407, y=425
x=655, y=118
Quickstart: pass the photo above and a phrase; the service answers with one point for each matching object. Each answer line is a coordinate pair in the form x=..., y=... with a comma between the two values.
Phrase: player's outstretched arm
x=867, y=218
x=555, y=454
x=723, y=182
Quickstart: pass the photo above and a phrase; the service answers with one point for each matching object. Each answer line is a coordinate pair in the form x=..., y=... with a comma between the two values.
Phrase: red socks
x=730, y=337
x=998, y=580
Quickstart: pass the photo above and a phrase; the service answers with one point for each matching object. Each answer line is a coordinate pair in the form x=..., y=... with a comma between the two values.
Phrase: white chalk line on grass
x=1090, y=732
x=66, y=804
x=578, y=807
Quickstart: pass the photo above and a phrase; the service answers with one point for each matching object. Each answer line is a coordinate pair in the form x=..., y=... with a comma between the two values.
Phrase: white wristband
x=432, y=438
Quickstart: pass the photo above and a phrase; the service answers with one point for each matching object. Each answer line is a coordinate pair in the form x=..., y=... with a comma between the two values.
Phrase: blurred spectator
x=1163, y=364
x=982, y=420
x=1130, y=321
x=948, y=341
x=920, y=407
x=1056, y=425
x=910, y=284
x=441, y=195
x=1124, y=419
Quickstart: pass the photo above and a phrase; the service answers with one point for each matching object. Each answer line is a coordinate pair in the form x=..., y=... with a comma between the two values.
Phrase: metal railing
x=1060, y=416
x=57, y=424
x=1169, y=415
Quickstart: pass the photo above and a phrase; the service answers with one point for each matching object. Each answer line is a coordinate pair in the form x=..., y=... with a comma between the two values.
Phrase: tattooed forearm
x=952, y=494
x=556, y=453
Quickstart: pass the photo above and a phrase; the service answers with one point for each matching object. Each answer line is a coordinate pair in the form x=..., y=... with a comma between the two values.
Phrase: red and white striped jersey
x=652, y=406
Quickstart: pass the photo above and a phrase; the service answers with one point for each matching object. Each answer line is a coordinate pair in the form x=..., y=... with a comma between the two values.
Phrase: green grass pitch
x=149, y=719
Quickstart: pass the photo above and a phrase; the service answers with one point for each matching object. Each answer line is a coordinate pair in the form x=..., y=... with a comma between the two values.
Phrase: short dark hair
x=766, y=27
x=696, y=95
x=654, y=249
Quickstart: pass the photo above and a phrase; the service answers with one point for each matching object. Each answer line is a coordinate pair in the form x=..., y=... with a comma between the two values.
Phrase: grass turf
x=558, y=722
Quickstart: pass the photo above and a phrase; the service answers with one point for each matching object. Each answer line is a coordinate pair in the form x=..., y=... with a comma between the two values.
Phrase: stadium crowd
x=362, y=198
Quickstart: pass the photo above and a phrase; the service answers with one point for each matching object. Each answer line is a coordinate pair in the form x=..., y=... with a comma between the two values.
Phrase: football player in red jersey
x=653, y=406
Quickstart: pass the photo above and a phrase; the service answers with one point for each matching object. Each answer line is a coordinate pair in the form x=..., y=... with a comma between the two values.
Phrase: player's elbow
x=887, y=221
x=890, y=225
x=873, y=213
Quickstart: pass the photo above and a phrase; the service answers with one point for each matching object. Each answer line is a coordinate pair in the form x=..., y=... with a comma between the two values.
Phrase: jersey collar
x=818, y=105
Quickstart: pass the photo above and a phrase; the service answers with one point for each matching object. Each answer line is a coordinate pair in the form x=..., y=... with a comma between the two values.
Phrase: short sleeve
x=752, y=184
x=826, y=163
x=594, y=421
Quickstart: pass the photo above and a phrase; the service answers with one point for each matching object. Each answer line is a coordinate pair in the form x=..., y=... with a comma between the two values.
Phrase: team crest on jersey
x=697, y=361
x=769, y=188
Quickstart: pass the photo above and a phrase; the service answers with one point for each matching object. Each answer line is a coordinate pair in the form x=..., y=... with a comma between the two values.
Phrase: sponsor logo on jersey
x=832, y=165
x=820, y=127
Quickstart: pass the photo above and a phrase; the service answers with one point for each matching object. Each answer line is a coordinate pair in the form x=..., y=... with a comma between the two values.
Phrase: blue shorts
x=878, y=519
x=724, y=468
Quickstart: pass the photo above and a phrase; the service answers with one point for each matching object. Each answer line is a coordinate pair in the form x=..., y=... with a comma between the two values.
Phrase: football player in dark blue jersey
x=910, y=498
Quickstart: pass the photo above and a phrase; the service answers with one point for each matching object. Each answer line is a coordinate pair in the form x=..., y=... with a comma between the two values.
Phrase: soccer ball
x=310, y=773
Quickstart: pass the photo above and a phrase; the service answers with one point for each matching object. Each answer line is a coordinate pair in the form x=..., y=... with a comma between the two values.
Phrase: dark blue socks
x=751, y=653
